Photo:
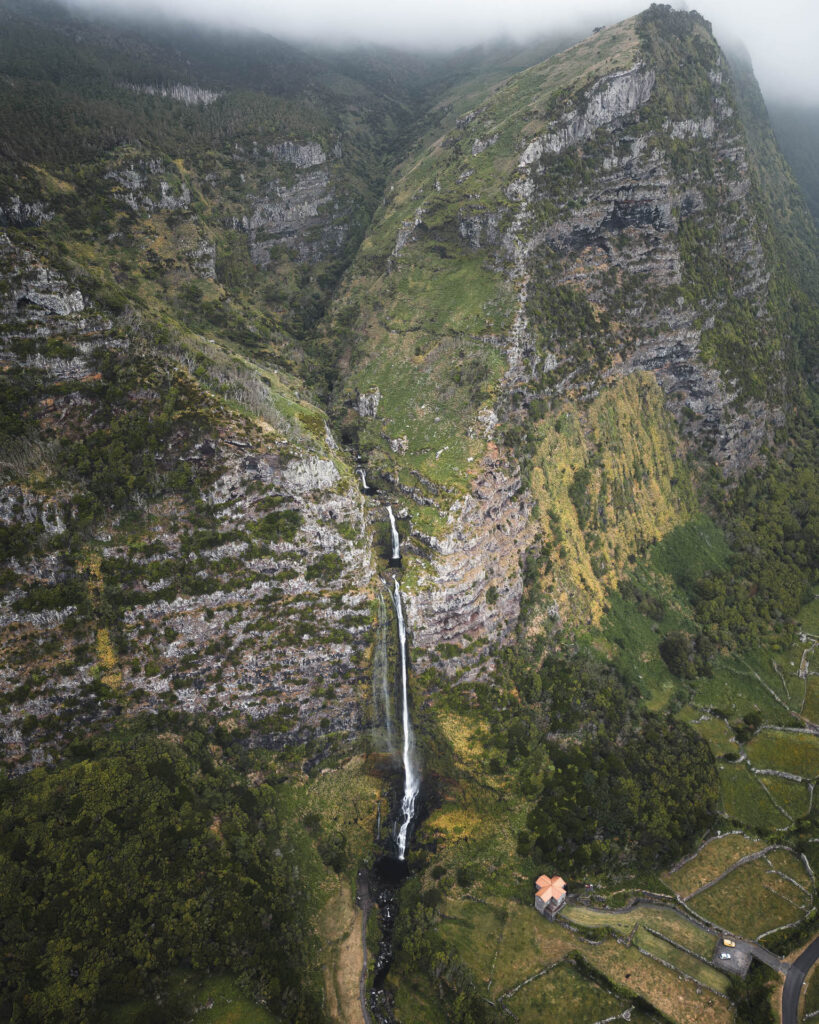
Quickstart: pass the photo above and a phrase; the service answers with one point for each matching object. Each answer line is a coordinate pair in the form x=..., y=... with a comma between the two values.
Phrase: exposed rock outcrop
x=609, y=99
x=147, y=185
x=303, y=217
x=260, y=619
x=368, y=403
x=620, y=242
x=302, y=156
x=35, y=291
x=474, y=586
x=16, y=213
x=190, y=95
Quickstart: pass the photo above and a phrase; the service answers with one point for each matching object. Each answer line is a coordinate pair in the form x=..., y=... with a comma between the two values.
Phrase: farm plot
x=751, y=900
x=811, y=708
x=793, y=797
x=793, y=752
x=683, y=962
x=581, y=1001
x=710, y=861
x=745, y=799
x=668, y=922
x=683, y=1001
x=588, y=917
x=789, y=864
x=737, y=688
x=529, y=944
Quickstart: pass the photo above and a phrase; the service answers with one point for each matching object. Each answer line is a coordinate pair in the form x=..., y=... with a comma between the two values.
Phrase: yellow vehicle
x=729, y=942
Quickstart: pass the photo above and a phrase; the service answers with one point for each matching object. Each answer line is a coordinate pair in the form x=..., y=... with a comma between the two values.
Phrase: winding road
x=794, y=980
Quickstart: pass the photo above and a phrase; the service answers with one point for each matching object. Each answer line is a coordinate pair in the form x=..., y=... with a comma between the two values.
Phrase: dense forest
x=148, y=848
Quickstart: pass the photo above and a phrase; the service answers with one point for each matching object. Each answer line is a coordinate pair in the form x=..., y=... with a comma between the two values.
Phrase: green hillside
x=555, y=304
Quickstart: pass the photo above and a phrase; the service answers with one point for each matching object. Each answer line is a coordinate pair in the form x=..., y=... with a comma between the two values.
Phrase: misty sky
x=781, y=35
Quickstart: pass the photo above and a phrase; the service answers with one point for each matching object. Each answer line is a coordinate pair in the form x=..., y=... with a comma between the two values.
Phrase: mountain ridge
x=563, y=323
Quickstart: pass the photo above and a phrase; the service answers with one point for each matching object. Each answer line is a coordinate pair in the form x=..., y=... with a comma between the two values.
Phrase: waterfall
x=411, y=778
x=363, y=476
x=396, y=540
x=381, y=673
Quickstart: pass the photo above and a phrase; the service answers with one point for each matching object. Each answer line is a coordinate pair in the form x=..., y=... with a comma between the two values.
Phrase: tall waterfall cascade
x=396, y=540
x=381, y=677
x=363, y=477
x=412, y=780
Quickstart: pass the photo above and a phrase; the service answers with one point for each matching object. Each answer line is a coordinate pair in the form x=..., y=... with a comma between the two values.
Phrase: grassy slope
x=436, y=301
x=72, y=73
x=435, y=314
x=638, y=489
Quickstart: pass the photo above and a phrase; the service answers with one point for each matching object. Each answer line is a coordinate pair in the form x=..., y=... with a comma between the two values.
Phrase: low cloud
x=781, y=37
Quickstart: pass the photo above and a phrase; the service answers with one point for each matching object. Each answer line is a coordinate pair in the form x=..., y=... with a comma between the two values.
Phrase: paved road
x=765, y=955
x=795, y=979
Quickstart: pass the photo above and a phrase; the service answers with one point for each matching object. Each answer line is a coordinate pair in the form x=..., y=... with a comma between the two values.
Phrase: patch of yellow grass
x=456, y=822
x=628, y=443
x=461, y=733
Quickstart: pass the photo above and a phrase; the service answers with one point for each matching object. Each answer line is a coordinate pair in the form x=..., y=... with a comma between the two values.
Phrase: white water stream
x=412, y=781
x=381, y=676
x=396, y=540
x=363, y=476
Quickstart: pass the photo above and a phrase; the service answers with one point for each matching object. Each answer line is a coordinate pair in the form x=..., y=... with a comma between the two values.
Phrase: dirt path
x=342, y=927
x=349, y=969
x=364, y=903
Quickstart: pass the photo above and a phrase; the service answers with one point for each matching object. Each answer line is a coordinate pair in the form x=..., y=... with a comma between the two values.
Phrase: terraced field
x=793, y=797
x=794, y=752
x=746, y=800
x=666, y=920
x=684, y=962
x=714, y=858
x=719, y=735
x=752, y=900
x=581, y=1001
x=526, y=961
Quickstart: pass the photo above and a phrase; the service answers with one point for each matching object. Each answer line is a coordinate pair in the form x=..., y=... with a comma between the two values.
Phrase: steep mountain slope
x=565, y=316
x=797, y=132
x=605, y=214
x=178, y=523
x=226, y=179
x=175, y=216
x=159, y=546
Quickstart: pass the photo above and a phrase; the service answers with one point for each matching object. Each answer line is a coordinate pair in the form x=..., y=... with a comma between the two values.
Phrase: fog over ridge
x=780, y=35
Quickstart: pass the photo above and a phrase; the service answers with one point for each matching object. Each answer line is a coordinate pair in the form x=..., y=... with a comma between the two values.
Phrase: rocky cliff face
x=563, y=306
x=304, y=217
x=598, y=217
x=259, y=603
x=472, y=588
x=622, y=245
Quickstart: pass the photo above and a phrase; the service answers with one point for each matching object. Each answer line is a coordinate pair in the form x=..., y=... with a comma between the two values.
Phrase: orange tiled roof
x=551, y=889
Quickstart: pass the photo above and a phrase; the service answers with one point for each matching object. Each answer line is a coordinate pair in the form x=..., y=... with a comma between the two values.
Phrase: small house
x=550, y=895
